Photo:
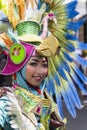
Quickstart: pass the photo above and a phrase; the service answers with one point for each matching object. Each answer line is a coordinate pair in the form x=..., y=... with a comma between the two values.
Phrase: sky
x=81, y=7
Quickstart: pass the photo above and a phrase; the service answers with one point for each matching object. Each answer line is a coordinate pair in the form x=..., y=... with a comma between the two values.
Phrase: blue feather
x=58, y=69
x=64, y=63
x=81, y=61
x=74, y=94
x=72, y=14
x=71, y=37
x=61, y=72
x=56, y=79
x=67, y=57
x=70, y=47
x=59, y=104
x=39, y=4
x=50, y=85
x=71, y=5
x=78, y=81
x=69, y=104
x=66, y=66
x=75, y=25
x=82, y=46
x=70, y=8
x=80, y=74
x=63, y=42
x=13, y=37
x=2, y=45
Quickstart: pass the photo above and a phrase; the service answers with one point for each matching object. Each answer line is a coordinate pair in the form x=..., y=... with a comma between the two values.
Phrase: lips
x=38, y=77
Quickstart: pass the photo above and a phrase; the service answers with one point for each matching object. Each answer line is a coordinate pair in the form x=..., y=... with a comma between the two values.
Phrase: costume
x=44, y=26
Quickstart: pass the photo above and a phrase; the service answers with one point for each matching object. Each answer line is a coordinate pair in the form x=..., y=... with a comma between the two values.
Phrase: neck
x=35, y=88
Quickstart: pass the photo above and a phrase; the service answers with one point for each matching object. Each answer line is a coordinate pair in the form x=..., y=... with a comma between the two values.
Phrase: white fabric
x=18, y=120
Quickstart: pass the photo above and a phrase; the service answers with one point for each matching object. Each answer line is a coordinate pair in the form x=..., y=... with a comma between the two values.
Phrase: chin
x=36, y=85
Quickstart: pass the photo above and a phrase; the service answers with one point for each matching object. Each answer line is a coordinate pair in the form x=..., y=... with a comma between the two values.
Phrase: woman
x=29, y=97
x=41, y=55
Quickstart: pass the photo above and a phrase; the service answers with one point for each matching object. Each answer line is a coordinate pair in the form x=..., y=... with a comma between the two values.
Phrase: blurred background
x=80, y=122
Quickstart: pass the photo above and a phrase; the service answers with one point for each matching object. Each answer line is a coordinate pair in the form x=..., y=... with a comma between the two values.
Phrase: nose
x=40, y=70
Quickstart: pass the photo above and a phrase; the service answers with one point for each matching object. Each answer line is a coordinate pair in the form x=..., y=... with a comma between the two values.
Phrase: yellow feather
x=6, y=39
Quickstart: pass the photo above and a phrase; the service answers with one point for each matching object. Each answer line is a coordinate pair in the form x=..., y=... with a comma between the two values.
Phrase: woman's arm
x=18, y=120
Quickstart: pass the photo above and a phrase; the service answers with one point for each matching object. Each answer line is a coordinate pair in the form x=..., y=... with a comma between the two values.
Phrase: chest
x=31, y=103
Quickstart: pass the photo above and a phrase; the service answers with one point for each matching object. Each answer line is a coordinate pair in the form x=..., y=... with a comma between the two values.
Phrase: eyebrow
x=37, y=60
x=34, y=60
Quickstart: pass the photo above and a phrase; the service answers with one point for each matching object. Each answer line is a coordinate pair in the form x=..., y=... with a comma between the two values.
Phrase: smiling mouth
x=38, y=77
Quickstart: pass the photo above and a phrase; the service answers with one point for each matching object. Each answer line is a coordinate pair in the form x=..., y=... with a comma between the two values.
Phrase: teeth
x=38, y=77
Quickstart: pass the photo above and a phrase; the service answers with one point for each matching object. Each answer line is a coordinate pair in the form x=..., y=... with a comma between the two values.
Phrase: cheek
x=46, y=72
x=29, y=71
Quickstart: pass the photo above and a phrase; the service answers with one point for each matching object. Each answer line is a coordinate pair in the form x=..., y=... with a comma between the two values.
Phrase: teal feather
x=13, y=37
x=2, y=45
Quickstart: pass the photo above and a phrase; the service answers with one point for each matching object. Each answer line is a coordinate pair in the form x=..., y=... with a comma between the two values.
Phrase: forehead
x=38, y=58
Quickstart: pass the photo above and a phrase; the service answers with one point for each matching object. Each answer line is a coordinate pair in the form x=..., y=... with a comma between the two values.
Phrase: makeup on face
x=36, y=70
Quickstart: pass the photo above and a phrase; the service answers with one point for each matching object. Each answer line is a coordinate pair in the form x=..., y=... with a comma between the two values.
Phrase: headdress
x=47, y=25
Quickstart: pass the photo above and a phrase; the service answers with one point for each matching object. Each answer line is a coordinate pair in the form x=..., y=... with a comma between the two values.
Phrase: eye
x=33, y=64
x=45, y=65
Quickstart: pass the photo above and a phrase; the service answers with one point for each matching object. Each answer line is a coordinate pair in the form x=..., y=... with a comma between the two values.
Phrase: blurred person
x=4, y=80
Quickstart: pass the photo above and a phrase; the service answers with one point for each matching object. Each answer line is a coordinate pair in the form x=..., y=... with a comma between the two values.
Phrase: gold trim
x=45, y=102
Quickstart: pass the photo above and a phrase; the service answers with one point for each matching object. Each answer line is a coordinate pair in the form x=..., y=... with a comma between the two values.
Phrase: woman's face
x=36, y=70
